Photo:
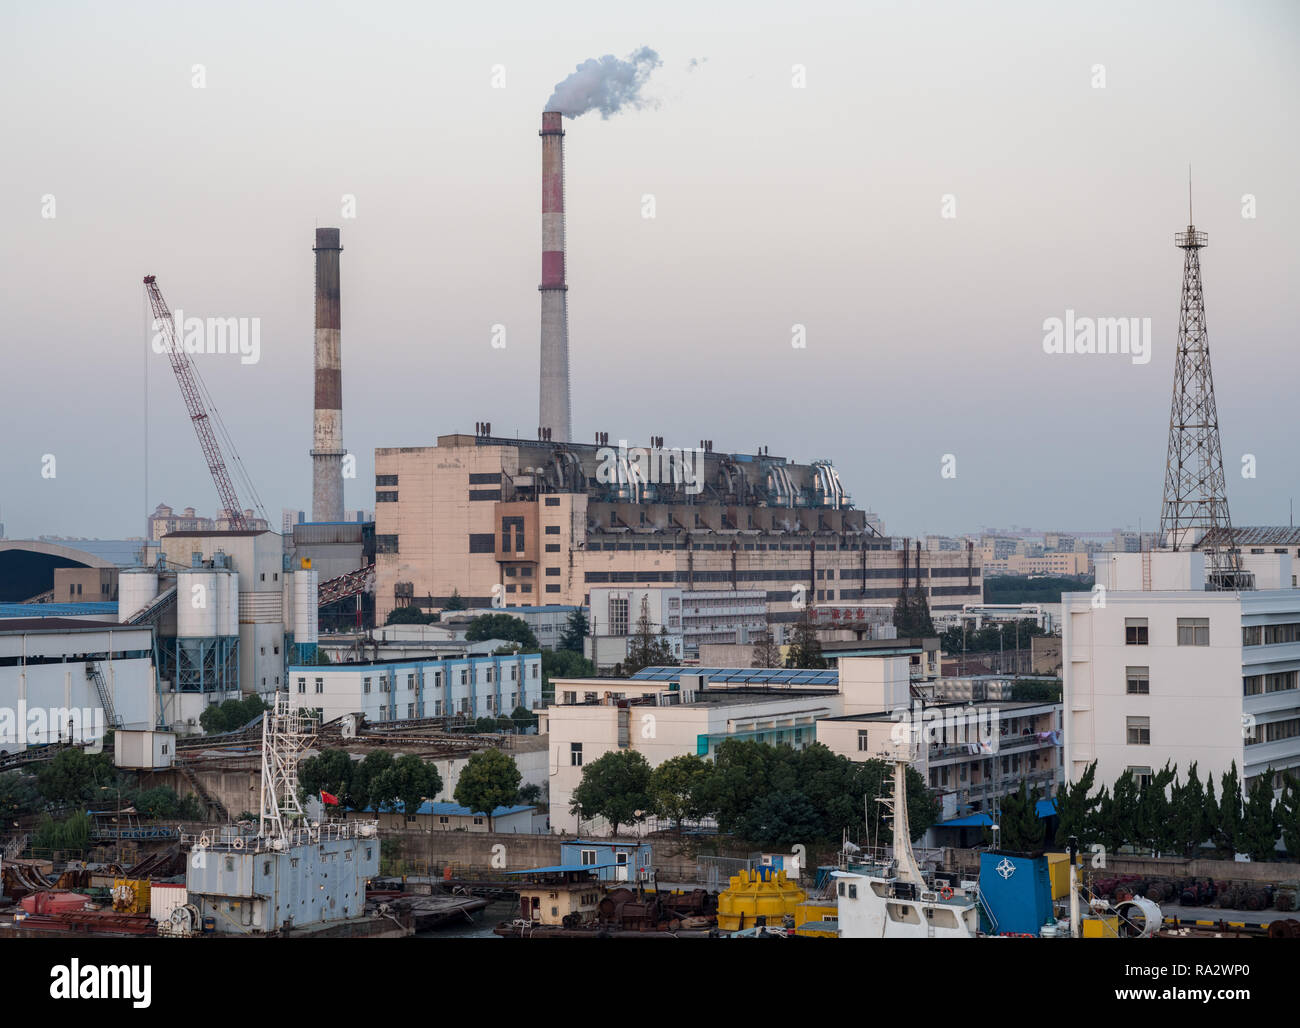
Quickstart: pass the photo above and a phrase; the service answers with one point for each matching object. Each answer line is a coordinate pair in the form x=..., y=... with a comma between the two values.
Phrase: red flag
x=327, y=798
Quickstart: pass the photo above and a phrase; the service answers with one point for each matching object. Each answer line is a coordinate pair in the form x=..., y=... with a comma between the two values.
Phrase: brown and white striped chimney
x=554, y=406
x=327, y=428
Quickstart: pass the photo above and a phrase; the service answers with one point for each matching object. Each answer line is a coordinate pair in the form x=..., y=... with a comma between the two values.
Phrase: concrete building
x=165, y=520
x=547, y=621
x=470, y=687
x=518, y=819
x=537, y=522
x=1157, y=669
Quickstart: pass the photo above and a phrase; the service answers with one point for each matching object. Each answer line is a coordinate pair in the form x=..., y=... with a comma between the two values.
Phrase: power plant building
x=505, y=522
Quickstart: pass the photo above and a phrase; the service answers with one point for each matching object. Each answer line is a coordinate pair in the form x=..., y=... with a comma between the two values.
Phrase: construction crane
x=194, y=392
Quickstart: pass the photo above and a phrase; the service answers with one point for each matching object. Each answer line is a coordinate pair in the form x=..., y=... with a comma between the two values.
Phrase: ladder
x=105, y=697
x=1146, y=571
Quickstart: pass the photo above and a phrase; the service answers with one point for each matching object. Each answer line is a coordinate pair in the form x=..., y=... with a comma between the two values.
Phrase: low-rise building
x=471, y=687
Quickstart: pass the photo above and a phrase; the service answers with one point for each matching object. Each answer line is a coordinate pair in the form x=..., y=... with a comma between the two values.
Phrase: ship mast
x=908, y=869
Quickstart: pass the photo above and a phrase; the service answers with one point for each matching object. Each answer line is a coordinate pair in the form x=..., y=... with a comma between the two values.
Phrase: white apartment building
x=1157, y=669
x=470, y=687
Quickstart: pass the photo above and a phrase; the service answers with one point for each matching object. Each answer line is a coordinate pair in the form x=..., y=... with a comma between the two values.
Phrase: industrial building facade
x=470, y=687
x=503, y=522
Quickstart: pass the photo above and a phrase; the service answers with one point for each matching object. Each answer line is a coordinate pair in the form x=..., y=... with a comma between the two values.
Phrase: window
x=1193, y=631
x=386, y=496
x=570, y=698
x=1141, y=775
x=385, y=544
x=383, y=683
x=1138, y=731
x=1135, y=631
x=552, y=588
x=552, y=529
x=410, y=710
x=863, y=741
x=482, y=542
x=302, y=685
x=588, y=858
x=552, y=501
x=1139, y=681
x=443, y=819
x=478, y=820
x=365, y=685
x=552, y=547
x=617, y=616
x=410, y=683
x=1252, y=635
x=464, y=676
x=552, y=572
x=575, y=757
x=385, y=480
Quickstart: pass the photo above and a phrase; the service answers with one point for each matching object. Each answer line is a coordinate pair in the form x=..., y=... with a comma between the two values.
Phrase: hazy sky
x=775, y=206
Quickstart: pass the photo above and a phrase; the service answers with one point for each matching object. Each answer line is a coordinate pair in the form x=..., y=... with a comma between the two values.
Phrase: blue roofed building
x=452, y=817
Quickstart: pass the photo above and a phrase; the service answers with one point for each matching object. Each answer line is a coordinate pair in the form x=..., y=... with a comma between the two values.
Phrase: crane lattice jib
x=185, y=378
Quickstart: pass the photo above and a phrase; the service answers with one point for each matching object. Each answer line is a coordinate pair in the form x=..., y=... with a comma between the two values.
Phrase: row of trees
x=990, y=638
x=1165, y=814
x=231, y=715
x=768, y=795
x=490, y=779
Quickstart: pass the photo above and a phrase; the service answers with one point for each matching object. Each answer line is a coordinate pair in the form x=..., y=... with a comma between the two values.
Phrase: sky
x=801, y=158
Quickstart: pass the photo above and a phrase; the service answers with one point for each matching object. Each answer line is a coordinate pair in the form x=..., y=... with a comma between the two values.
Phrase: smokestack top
x=327, y=239
x=552, y=124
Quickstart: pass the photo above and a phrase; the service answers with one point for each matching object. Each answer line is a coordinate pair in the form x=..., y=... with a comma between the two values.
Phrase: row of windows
x=1275, y=731
x=1259, y=685
x=387, y=496
x=385, y=480
x=1191, y=632
x=384, y=681
x=1270, y=635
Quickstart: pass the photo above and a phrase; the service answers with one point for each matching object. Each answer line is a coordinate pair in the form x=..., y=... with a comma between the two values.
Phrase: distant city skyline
x=913, y=194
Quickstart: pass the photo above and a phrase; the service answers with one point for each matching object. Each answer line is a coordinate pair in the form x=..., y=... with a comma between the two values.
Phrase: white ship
x=892, y=899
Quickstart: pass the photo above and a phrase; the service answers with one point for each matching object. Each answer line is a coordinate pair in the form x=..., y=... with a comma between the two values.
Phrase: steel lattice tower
x=1194, y=513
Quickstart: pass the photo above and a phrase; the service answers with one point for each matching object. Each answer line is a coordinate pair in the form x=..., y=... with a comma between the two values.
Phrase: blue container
x=209, y=925
x=1017, y=891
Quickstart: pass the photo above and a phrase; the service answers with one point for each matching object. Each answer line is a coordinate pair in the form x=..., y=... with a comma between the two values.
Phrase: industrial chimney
x=327, y=436
x=555, y=316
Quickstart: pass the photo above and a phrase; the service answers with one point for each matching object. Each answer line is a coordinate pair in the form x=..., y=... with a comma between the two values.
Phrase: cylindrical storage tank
x=227, y=604
x=197, y=604
x=136, y=589
x=305, y=606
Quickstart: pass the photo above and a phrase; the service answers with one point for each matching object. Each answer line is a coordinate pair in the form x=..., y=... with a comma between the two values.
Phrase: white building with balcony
x=1157, y=669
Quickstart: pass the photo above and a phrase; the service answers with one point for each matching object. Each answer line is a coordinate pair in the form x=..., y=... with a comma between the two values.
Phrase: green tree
x=502, y=626
x=530, y=794
x=74, y=778
x=644, y=648
x=329, y=771
x=616, y=787
x=408, y=616
x=678, y=787
x=159, y=803
x=903, y=614
x=71, y=834
x=523, y=718
x=409, y=780
x=1020, y=829
x=231, y=715
x=1288, y=814
x=575, y=632
x=766, y=651
x=19, y=796
x=781, y=819
x=1187, y=813
x=1228, y=829
x=1153, y=819
x=489, y=780
x=805, y=651
x=456, y=601
x=364, y=791
x=1074, y=808
x=1260, y=822
x=1036, y=691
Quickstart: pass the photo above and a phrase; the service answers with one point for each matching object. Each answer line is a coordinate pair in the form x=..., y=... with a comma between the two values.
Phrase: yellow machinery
x=818, y=913
x=760, y=893
x=130, y=895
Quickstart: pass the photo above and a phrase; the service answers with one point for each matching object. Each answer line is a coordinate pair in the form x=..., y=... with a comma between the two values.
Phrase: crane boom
x=187, y=379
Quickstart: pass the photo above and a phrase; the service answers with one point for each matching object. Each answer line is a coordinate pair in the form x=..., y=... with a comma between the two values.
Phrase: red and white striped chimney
x=554, y=407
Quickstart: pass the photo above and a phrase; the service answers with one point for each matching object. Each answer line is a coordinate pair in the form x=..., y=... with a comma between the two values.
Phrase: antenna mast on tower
x=1194, y=511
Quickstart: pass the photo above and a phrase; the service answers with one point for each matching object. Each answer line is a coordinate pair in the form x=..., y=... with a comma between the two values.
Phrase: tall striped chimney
x=554, y=408
x=327, y=430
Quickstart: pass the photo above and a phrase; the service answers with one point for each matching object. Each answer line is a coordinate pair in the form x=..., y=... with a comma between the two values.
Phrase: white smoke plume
x=605, y=84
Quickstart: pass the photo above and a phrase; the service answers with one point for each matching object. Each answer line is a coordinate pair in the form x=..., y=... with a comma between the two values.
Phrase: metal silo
x=136, y=589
